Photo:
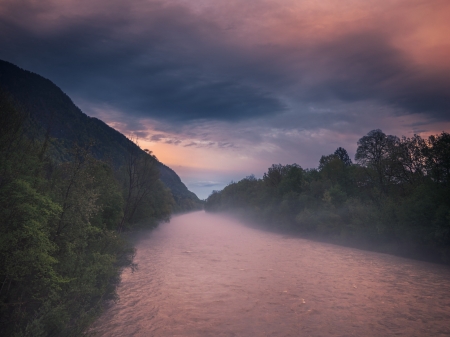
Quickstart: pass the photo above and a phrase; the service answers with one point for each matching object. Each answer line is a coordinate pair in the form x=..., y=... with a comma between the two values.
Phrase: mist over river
x=209, y=275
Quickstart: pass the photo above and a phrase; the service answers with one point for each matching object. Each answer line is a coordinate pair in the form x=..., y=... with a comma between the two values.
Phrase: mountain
x=52, y=115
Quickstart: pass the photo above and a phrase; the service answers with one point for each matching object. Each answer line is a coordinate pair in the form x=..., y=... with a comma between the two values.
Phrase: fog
x=209, y=275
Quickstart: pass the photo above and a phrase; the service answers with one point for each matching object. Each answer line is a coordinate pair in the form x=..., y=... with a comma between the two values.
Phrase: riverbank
x=396, y=248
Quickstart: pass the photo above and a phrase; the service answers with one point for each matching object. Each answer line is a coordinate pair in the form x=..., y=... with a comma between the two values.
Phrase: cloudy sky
x=221, y=89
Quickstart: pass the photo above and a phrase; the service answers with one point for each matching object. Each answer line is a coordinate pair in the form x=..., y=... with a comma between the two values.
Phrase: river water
x=208, y=275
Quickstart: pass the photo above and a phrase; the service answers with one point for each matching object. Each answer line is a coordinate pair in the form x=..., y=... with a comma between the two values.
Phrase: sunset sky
x=221, y=89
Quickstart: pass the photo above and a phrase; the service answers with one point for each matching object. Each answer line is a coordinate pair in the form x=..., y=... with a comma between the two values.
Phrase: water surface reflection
x=208, y=275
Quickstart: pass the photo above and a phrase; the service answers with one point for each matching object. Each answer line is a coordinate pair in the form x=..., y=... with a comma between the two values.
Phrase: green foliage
x=27, y=262
x=145, y=197
x=292, y=181
x=437, y=155
x=109, y=199
x=396, y=198
x=61, y=252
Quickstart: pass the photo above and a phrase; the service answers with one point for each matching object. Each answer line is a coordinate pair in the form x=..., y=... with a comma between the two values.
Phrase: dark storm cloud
x=365, y=66
x=140, y=134
x=171, y=63
x=159, y=71
x=157, y=137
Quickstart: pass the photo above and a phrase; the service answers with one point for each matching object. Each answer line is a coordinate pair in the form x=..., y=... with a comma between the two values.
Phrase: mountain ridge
x=53, y=115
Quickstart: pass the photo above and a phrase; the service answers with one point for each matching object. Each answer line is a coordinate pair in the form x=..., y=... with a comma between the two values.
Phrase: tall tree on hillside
x=141, y=184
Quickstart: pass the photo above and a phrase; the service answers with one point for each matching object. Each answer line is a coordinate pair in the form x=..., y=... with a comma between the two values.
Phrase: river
x=209, y=275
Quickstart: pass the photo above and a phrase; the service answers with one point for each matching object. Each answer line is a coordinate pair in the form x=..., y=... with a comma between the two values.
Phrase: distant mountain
x=52, y=113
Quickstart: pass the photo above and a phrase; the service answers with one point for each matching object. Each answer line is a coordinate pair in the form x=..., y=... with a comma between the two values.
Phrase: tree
x=375, y=153
x=27, y=264
x=342, y=154
x=409, y=153
x=141, y=184
x=332, y=168
x=274, y=175
x=293, y=179
x=438, y=157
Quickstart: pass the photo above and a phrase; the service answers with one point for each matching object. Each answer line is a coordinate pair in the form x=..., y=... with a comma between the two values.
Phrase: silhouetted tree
x=375, y=153
x=438, y=157
x=343, y=156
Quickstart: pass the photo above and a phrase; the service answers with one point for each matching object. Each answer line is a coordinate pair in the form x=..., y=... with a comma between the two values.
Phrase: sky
x=221, y=89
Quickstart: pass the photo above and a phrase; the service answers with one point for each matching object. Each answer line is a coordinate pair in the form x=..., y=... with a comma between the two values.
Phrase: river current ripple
x=209, y=275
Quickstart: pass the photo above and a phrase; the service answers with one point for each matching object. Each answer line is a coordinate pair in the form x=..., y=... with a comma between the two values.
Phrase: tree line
x=394, y=198
x=61, y=248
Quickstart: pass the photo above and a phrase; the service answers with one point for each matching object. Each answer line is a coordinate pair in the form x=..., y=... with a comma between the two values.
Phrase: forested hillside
x=395, y=198
x=52, y=116
x=69, y=186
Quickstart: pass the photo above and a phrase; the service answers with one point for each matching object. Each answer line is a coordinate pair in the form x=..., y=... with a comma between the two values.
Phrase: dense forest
x=66, y=197
x=395, y=198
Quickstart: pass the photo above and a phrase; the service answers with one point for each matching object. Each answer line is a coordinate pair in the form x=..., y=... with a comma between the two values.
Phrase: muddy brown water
x=208, y=275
